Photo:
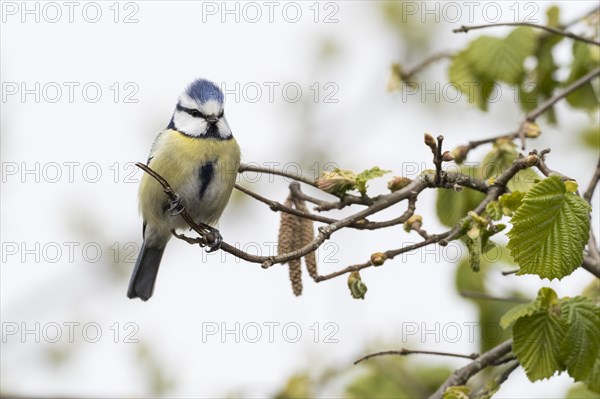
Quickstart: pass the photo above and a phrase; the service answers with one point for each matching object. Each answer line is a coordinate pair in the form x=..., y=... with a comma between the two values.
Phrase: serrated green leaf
x=550, y=230
x=514, y=314
x=546, y=300
x=502, y=59
x=537, y=339
x=366, y=175
x=582, y=341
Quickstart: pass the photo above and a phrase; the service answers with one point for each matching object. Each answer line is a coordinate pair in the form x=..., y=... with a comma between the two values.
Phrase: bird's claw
x=175, y=206
x=216, y=241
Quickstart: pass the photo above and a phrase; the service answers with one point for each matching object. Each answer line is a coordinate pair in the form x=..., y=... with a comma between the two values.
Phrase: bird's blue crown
x=203, y=90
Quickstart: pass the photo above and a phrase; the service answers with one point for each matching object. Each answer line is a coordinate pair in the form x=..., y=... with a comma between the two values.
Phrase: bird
x=199, y=158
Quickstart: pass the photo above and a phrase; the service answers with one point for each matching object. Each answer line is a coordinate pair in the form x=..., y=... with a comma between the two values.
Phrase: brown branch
x=549, y=29
x=534, y=114
x=251, y=168
x=581, y=18
x=499, y=380
x=207, y=237
x=463, y=374
x=406, y=75
x=483, y=295
x=589, y=192
x=591, y=265
x=404, y=352
x=493, y=192
x=546, y=105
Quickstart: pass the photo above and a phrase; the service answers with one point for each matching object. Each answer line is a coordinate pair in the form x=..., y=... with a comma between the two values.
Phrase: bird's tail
x=145, y=271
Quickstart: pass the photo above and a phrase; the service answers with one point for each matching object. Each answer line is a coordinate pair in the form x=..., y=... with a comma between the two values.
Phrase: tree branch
x=589, y=192
x=483, y=295
x=404, y=352
x=406, y=75
x=493, y=192
x=546, y=105
x=462, y=375
x=570, y=35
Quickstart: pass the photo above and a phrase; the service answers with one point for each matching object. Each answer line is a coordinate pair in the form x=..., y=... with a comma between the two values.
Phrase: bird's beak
x=212, y=119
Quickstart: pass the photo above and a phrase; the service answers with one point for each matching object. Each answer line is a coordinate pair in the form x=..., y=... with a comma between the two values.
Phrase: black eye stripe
x=193, y=112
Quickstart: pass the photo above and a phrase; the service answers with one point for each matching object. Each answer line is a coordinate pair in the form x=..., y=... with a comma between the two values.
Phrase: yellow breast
x=179, y=158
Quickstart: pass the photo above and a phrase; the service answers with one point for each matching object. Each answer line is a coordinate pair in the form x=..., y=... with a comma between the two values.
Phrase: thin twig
x=581, y=18
x=499, y=380
x=570, y=35
x=589, y=192
x=252, y=168
x=483, y=295
x=546, y=105
x=493, y=192
x=404, y=352
x=462, y=375
x=406, y=75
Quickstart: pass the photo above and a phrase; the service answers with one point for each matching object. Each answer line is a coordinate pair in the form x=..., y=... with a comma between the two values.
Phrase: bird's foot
x=213, y=239
x=175, y=206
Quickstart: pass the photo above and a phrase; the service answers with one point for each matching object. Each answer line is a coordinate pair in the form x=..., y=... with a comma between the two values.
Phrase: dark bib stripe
x=206, y=175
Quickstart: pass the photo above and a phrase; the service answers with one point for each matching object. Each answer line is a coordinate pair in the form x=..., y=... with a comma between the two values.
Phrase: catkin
x=307, y=234
x=289, y=241
x=287, y=230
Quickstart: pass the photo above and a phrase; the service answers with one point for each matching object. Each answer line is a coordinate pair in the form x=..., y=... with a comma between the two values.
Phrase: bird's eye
x=222, y=113
x=195, y=113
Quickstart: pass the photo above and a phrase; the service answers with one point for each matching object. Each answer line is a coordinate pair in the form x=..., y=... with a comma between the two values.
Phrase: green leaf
x=553, y=17
x=475, y=86
x=592, y=291
x=537, y=339
x=502, y=59
x=494, y=210
x=366, y=175
x=500, y=158
x=550, y=230
x=511, y=202
x=542, y=84
x=590, y=137
x=580, y=391
x=593, y=379
x=358, y=289
x=583, y=62
x=514, y=314
x=546, y=299
x=457, y=392
x=582, y=340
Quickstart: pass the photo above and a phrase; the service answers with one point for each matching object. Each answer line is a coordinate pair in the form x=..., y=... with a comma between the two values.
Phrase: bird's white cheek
x=224, y=128
x=188, y=124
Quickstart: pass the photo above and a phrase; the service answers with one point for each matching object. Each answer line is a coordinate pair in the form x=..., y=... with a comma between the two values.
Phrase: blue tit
x=199, y=158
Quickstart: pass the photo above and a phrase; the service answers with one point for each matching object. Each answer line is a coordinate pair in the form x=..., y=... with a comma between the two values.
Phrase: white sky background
x=169, y=45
